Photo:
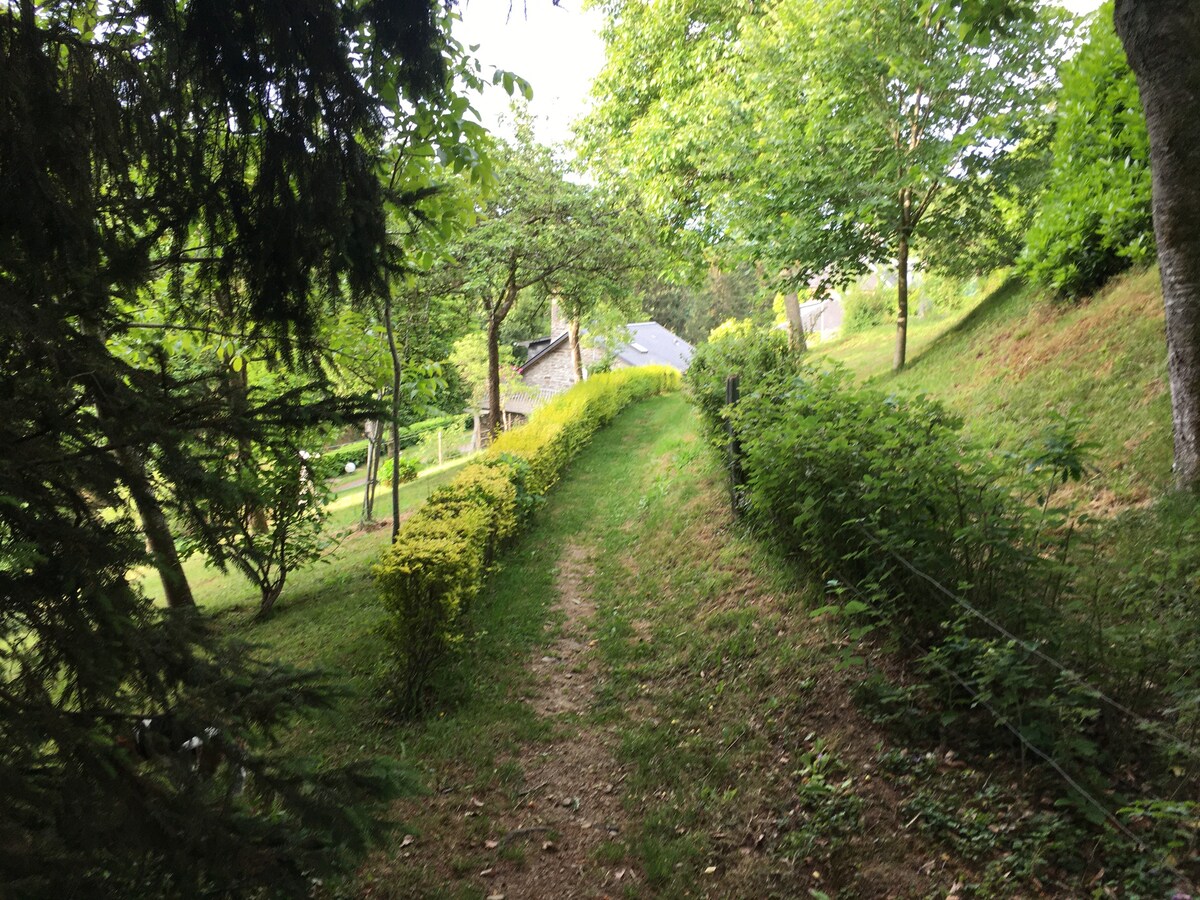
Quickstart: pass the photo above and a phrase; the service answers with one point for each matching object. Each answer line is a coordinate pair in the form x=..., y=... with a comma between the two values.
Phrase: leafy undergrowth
x=1019, y=360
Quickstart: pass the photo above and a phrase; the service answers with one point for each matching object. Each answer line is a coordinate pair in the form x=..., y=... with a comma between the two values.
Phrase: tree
x=161, y=157
x=834, y=135
x=535, y=230
x=1162, y=41
x=613, y=245
x=1094, y=219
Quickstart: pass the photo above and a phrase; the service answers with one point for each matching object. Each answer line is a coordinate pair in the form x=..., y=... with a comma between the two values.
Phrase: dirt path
x=570, y=807
x=655, y=712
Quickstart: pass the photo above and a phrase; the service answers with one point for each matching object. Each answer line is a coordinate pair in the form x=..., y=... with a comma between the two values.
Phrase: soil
x=544, y=839
x=572, y=799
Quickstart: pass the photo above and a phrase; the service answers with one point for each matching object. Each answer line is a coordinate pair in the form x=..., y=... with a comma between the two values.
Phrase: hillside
x=1019, y=358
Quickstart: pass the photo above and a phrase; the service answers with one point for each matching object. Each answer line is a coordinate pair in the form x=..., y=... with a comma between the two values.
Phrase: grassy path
x=650, y=713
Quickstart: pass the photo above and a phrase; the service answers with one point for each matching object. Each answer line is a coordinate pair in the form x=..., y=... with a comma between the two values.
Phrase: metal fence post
x=737, y=478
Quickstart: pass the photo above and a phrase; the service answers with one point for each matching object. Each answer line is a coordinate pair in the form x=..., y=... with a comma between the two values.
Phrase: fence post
x=737, y=478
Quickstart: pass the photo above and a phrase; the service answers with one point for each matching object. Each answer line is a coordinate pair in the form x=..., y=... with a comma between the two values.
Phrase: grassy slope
x=1018, y=358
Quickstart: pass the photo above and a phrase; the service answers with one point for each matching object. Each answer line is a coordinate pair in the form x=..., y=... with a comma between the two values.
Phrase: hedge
x=434, y=570
x=336, y=459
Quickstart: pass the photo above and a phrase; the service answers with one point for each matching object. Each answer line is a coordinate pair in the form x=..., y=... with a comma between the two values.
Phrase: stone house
x=549, y=369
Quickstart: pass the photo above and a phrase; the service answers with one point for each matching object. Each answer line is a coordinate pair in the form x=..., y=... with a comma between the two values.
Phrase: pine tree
x=154, y=157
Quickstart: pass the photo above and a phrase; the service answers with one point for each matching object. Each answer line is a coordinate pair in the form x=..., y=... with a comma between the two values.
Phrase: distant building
x=648, y=344
x=822, y=318
x=549, y=370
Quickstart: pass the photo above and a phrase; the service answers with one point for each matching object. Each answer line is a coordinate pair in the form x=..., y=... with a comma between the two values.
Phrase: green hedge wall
x=430, y=576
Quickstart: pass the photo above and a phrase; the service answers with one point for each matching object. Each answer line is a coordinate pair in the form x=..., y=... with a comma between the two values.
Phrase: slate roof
x=649, y=344
x=652, y=345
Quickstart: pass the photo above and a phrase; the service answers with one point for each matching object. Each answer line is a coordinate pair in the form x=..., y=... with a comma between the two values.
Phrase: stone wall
x=554, y=369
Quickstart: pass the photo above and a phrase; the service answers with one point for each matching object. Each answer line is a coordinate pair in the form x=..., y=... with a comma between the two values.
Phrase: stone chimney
x=558, y=322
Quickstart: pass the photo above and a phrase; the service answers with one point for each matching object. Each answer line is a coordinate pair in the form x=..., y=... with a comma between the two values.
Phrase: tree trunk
x=270, y=594
x=373, y=431
x=396, y=368
x=238, y=385
x=576, y=352
x=1162, y=41
x=796, y=337
x=159, y=539
x=901, y=304
x=493, y=377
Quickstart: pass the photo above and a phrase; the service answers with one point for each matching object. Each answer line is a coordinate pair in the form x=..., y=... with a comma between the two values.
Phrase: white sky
x=558, y=50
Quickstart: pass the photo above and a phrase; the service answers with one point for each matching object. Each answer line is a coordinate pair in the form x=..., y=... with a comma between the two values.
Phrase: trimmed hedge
x=335, y=460
x=432, y=573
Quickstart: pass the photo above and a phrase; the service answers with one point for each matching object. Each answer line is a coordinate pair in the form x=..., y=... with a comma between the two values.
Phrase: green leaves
x=792, y=132
x=1094, y=219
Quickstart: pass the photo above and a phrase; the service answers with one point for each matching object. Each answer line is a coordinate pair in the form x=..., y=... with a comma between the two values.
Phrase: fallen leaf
x=710, y=870
x=478, y=804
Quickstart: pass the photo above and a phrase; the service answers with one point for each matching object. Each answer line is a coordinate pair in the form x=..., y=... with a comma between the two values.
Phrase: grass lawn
x=230, y=593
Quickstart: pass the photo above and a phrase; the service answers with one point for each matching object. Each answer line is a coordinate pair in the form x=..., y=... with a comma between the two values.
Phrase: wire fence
x=1109, y=817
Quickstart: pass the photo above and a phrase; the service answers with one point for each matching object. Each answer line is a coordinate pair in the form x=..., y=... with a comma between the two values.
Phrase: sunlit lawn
x=353, y=550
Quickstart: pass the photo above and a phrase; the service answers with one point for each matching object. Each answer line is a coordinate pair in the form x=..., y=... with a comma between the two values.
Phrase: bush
x=408, y=469
x=738, y=347
x=433, y=571
x=1094, y=220
x=334, y=461
x=426, y=581
x=859, y=480
x=868, y=307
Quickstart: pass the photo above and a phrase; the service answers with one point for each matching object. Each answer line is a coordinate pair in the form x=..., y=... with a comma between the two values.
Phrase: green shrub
x=408, y=469
x=433, y=571
x=334, y=461
x=738, y=347
x=1095, y=218
x=426, y=580
x=867, y=307
x=859, y=479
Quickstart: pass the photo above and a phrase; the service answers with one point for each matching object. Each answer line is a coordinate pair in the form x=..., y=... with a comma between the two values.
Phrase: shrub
x=860, y=480
x=335, y=460
x=433, y=571
x=900, y=511
x=426, y=581
x=738, y=347
x=408, y=469
x=265, y=515
x=868, y=304
x=1094, y=220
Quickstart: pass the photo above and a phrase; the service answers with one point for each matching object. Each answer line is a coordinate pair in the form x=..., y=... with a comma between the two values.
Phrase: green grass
x=230, y=592
x=1018, y=359
x=869, y=353
x=726, y=710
